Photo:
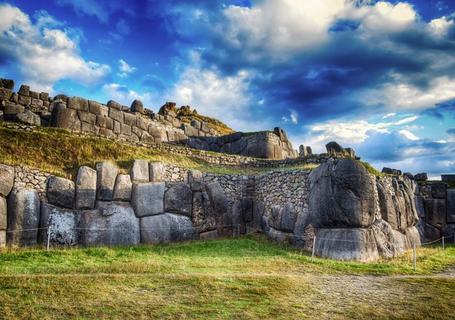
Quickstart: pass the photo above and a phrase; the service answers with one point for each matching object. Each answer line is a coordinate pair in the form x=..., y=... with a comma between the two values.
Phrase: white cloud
x=405, y=120
x=408, y=135
x=399, y=96
x=44, y=55
x=224, y=98
x=440, y=26
x=389, y=115
x=125, y=69
x=125, y=96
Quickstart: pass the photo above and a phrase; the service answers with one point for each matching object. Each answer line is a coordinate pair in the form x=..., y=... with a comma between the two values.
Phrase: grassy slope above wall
x=60, y=152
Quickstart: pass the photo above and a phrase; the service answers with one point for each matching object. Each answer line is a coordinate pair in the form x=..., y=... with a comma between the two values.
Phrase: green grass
x=244, y=278
x=61, y=152
x=372, y=169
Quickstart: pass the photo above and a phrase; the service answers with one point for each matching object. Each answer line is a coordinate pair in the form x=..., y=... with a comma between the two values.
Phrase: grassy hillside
x=60, y=152
x=245, y=278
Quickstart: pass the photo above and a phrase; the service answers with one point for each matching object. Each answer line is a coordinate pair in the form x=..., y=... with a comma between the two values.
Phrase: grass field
x=244, y=278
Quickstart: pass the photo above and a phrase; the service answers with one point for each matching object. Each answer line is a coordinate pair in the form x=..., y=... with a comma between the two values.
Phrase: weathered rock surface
x=342, y=194
x=166, y=228
x=147, y=199
x=435, y=212
x=85, y=188
x=178, y=199
x=122, y=189
x=6, y=179
x=23, y=217
x=3, y=213
x=106, y=176
x=451, y=206
x=347, y=244
x=140, y=171
x=62, y=223
x=61, y=192
x=28, y=117
x=157, y=172
x=112, y=223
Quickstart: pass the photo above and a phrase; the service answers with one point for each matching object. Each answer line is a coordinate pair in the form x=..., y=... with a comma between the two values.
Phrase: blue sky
x=378, y=76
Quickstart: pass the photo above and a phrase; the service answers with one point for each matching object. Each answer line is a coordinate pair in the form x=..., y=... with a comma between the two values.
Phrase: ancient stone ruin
x=337, y=208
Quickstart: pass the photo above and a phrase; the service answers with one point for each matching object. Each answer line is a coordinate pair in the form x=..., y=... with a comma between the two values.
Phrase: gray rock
x=63, y=117
x=430, y=232
x=167, y=227
x=394, y=172
x=78, y=103
x=85, y=188
x=62, y=223
x=24, y=90
x=60, y=192
x=122, y=189
x=439, y=190
x=23, y=217
x=29, y=118
x=140, y=171
x=280, y=236
x=114, y=105
x=147, y=199
x=195, y=180
x=6, y=179
x=113, y=223
x=451, y=206
x=421, y=176
x=137, y=106
x=7, y=84
x=342, y=194
x=106, y=176
x=288, y=218
x=448, y=231
x=157, y=172
x=420, y=208
x=396, y=202
x=218, y=199
x=178, y=199
x=347, y=244
x=98, y=109
x=333, y=147
x=2, y=238
x=435, y=212
x=3, y=213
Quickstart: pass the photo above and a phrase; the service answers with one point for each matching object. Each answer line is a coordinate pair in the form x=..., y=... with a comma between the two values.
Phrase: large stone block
x=61, y=192
x=112, y=223
x=116, y=115
x=147, y=199
x=439, y=190
x=451, y=206
x=178, y=199
x=122, y=189
x=140, y=171
x=63, y=117
x=28, y=117
x=63, y=225
x=435, y=212
x=3, y=213
x=23, y=217
x=288, y=218
x=85, y=188
x=6, y=179
x=166, y=228
x=78, y=103
x=98, y=109
x=342, y=194
x=218, y=199
x=137, y=106
x=106, y=176
x=157, y=172
x=2, y=238
x=347, y=244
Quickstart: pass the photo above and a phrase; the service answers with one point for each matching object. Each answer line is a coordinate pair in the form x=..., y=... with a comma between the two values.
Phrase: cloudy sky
x=378, y=76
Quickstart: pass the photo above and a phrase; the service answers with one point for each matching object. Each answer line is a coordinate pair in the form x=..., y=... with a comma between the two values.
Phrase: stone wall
x=435, y=204
x=266, y=144
x=134, y=124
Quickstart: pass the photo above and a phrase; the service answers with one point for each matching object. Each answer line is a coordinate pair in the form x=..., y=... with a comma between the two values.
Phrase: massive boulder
x=106, y=176
x=157, y=172
x=112, y=223
x=166, y=228
x=347, y=244
x=122, y=189
x=3, y=213
x=28, y=117
x=63, y=225
x=63, y=117
x=61, y=192
x=147, y=199
x=85, y=188
x=396, y=202
x=6, y=179
x=342, y=194
x=178, y=199
x=23, y=217
x=140, y=171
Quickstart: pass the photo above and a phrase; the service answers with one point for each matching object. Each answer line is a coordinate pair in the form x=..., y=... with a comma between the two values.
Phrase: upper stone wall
x=138, y=124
